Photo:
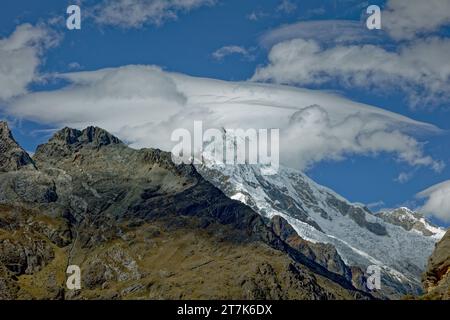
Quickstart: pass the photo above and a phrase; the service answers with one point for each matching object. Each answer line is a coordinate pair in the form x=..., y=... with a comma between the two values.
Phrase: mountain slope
x=320, y=215
x=411, y=221
x=141, y=227
x=12, y=156
x=436, y=279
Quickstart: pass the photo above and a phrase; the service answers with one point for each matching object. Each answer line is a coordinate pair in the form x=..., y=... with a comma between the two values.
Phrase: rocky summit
x=140, y=227
x=12, y=156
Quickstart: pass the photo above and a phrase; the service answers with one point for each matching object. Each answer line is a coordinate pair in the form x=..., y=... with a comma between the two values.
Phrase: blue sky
x=186, y=44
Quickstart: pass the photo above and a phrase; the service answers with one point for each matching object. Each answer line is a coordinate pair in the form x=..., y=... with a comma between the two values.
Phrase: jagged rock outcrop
x=140, y=226
x=408, y=220
x=436, y=280
x=324, y=254
x=12, y=156
x=68, y=141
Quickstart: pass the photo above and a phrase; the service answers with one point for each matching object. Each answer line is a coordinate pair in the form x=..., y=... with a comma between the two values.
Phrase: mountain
x=12, y=156
x=141, y=227
x=411, y=221
x=399, y=242
x=436, y=279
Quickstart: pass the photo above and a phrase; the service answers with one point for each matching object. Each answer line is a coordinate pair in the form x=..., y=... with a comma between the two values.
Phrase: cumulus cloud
x=355, y=134
x=137, y=13
x=437, y=201
x=223, y=52
x=408, y=54
x=20, y=57
x=412, y=18
x=420, y=68
x=143, y=105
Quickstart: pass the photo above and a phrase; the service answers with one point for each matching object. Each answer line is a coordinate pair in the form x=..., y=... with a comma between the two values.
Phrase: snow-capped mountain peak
x=399, y=242
x=411, y=220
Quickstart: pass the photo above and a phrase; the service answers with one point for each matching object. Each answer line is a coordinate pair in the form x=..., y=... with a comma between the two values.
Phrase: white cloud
x=404, y=177
x=409, y=19
x=318, y=138
x=421, y=68
x=286, y=6
x=221, y=53
x=348, y=54
x=137, y=13
x=323, y=31
x=143, y=105
x=74, y=66
x=257, y=15
x=375, y=205
x=437, y=202
x=20, y=57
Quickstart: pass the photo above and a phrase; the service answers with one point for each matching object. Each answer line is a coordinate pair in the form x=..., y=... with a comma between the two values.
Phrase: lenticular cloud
x=144, y=105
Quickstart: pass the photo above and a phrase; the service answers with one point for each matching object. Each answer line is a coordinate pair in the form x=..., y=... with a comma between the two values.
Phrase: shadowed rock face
x=12, y=156
x=140, y=226
x=324, y=254
x=436, y=280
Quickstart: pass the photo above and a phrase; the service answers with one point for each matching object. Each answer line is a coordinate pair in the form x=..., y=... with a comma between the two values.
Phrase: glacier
x=399, y=242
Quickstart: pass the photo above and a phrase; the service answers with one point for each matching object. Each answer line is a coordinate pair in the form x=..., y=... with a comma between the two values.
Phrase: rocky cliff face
x=410, y=221
x=12, y=156
x=436, y=279
x=142, y=227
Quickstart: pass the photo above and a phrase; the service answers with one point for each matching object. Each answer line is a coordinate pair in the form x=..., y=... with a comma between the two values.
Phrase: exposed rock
x=24, y=256
x=8, y=287
x=320, y=215
x=12, y=156
x=436, y=279
x=358, y=215
x=408, y=220
x=68, y=141
x=28, y=187
x=323, y=254
x=140, y=226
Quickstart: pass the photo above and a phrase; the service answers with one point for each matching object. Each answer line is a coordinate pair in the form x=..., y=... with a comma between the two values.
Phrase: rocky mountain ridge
x=410, y=220
x=12, y=156
x=142, y=227
x=399, y=242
